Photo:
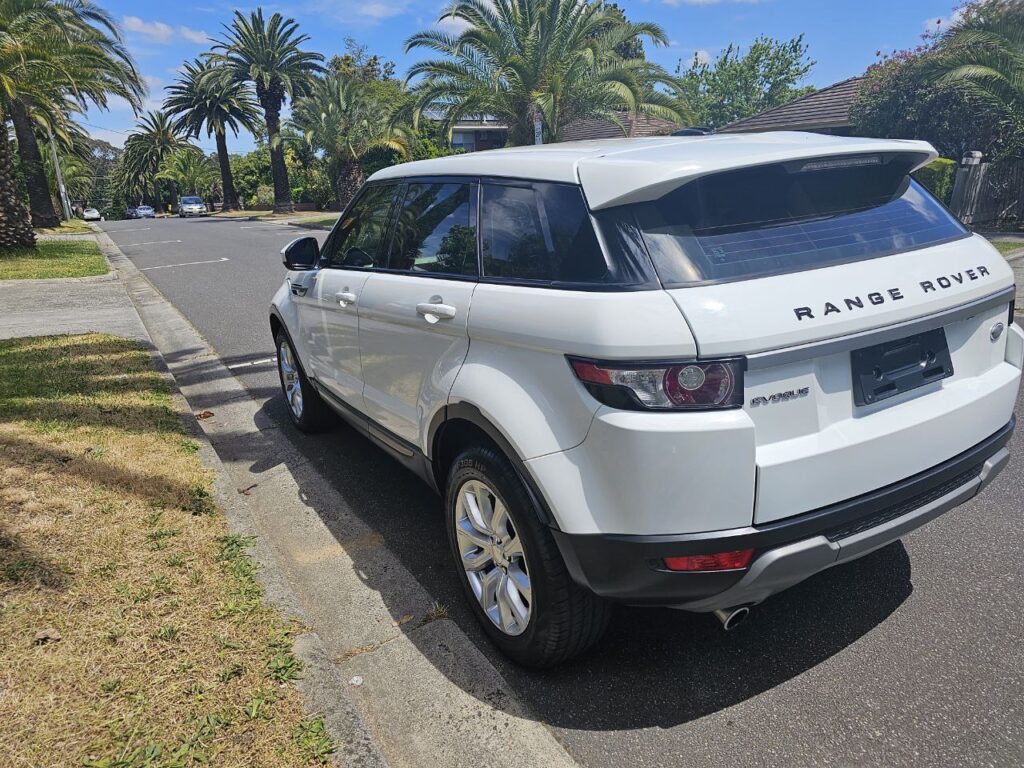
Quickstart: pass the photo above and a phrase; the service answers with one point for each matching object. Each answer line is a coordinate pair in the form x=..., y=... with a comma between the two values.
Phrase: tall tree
x=738, y=84
x=556, y=60
x=191, y=170
x=207, y=95
x=79, y=60
x=343, y=118
x=155, y=139
x=269, y=54
x=982, y=56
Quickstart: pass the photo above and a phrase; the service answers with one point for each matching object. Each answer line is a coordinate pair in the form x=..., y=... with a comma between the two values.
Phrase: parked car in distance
x=91, y=214
x=191, y=206
x=131, y=212
x=144, y=212
x=679, y=371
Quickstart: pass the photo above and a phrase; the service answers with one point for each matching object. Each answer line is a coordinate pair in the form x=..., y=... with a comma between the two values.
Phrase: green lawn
x=53, y=258
x=325, y=222
x=72, y=227
x=1005, y=246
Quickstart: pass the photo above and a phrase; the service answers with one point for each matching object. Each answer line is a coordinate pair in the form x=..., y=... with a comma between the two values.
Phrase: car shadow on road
x=655, y=667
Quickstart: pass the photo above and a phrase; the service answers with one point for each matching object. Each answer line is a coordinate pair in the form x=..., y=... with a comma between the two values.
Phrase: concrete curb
x=400, y=685
x=322, y=689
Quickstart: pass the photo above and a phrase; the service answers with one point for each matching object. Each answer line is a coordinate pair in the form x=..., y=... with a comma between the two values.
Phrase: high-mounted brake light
x=697, y=385
x=718, y=561
x=856, y=161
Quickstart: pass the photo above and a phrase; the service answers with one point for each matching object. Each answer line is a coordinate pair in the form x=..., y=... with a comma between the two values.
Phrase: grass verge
x=324, y=222
x=72, y=227
x=132, y=627
x=1006, y=246
x=53, y=258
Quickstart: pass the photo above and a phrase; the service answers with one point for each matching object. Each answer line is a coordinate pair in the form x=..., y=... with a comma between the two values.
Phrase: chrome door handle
x=434, y=312
x=345, y=298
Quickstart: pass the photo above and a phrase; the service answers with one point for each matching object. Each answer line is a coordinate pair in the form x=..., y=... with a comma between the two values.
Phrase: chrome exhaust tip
x=732, y=617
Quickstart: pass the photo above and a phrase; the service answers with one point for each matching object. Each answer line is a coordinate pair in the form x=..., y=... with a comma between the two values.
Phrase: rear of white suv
x=686, y=372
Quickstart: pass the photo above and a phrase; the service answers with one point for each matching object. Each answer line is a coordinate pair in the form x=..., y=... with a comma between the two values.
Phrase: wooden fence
x=988, y=194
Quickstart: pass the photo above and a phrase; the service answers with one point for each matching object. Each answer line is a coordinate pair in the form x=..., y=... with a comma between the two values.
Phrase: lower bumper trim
x=631, y=568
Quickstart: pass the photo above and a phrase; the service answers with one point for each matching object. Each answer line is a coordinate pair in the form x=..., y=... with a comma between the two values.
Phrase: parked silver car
x=191, y=206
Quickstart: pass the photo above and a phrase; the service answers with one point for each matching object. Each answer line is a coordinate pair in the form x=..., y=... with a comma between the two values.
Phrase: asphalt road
x=913, y=655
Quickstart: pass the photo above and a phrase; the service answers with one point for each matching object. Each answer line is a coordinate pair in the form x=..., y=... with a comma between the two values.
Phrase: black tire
x=565, y=620
x=313, y=414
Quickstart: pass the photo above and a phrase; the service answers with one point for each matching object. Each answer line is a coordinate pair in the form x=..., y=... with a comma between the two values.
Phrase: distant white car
x=91, y=214
x=684, y=371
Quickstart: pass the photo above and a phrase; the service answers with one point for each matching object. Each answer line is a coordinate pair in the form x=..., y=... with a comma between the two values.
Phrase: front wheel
x=307, y=409
x=510, y=566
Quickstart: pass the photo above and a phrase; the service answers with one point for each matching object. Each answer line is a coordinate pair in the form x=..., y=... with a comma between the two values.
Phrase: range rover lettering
x=681, y=371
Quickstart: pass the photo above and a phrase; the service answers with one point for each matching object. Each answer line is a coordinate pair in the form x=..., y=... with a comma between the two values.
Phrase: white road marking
x=187, y=263
x=264, y=361
x=137, y=229
x=150, y=242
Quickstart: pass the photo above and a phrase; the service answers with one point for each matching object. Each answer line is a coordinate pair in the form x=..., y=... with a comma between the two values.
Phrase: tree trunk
x=271, y=101
x=348, y=182
x=15, y=224
x=227, y=182
x=32, y=168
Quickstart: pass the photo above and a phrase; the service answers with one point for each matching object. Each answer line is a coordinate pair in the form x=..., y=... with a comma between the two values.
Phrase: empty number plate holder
x=886, y=370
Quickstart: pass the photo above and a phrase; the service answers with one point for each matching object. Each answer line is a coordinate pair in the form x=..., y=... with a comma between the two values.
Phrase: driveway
x=913, y=655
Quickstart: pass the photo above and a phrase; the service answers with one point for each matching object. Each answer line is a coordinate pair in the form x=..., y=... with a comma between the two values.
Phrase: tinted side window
x=435, y=230
x=539, y=232
x=359, y=239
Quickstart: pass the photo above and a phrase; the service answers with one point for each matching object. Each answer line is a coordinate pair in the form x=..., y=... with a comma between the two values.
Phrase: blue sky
x=843, y=36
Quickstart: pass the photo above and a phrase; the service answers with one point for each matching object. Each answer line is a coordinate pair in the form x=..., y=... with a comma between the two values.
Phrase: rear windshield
x=788, y=217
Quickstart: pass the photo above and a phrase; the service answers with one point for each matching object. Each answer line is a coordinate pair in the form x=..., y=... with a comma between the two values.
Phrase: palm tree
x=342, y=118
x=191, y=170
x=77, y=59
x=146, y=150
x=552, y=60
x=984, y=54
x=207, y=95
x=268, y=54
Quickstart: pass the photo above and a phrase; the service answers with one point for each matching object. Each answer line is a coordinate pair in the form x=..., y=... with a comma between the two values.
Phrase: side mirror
x=301, y=254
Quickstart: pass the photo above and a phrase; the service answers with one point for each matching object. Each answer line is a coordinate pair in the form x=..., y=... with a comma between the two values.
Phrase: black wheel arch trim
x=470, y=413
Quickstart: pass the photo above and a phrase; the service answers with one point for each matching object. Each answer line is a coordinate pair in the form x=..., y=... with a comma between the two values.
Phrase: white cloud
x=702, y=56
x=452, y=25
x=381, y=10
x=940, y=23
x=194, y=35
x=156, y=31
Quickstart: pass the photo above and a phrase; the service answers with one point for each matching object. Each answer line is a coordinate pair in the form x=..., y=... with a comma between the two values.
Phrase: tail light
x=698, y=385
x=718, y=561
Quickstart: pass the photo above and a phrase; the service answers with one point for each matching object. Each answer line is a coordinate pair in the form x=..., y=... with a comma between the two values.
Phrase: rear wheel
x=307, y=409
x=513, y=574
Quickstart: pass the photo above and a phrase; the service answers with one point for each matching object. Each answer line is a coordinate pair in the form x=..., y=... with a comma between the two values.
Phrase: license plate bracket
x=888, y=369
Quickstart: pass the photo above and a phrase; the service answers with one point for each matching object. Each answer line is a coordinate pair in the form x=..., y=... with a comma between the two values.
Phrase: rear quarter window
x=784, y=218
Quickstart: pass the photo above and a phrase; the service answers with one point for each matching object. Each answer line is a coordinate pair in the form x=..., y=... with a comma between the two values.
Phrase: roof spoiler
x=646, y=174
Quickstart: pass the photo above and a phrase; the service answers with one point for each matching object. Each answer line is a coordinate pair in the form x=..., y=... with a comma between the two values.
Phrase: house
x=636, y=125
x=824, y=111
x=479, y=132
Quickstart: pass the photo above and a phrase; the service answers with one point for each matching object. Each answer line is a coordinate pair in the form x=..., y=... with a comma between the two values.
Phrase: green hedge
x=938, y=177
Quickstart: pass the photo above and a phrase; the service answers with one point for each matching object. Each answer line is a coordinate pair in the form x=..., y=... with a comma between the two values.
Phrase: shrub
x=938, y=177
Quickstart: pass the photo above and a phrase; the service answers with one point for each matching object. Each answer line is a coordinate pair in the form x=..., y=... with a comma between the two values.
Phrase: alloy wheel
x=290, y=378
x=492, y=555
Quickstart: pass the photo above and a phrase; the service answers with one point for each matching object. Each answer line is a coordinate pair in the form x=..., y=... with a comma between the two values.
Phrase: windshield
x=787, y=217
x=192, y=201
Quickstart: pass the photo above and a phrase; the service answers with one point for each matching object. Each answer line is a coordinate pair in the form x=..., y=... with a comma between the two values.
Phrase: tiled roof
x=827, y=108
x=596, y=128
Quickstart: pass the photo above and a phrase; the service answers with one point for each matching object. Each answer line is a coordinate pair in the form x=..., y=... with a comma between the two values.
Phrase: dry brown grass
x=132, y=629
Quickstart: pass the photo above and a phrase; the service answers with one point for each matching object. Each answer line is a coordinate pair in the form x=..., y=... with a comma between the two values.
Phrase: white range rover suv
x=684, y=372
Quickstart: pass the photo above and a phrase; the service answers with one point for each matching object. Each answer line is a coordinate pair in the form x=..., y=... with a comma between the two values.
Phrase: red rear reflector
x=719, y=561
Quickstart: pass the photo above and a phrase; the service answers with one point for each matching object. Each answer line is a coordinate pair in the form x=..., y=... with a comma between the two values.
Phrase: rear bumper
x=630, y=568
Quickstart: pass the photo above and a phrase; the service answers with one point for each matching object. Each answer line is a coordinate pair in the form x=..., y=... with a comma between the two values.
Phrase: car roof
x=617, y=171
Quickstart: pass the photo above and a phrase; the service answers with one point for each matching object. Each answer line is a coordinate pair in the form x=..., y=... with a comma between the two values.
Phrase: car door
x=413, y=312
x=349, y=257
